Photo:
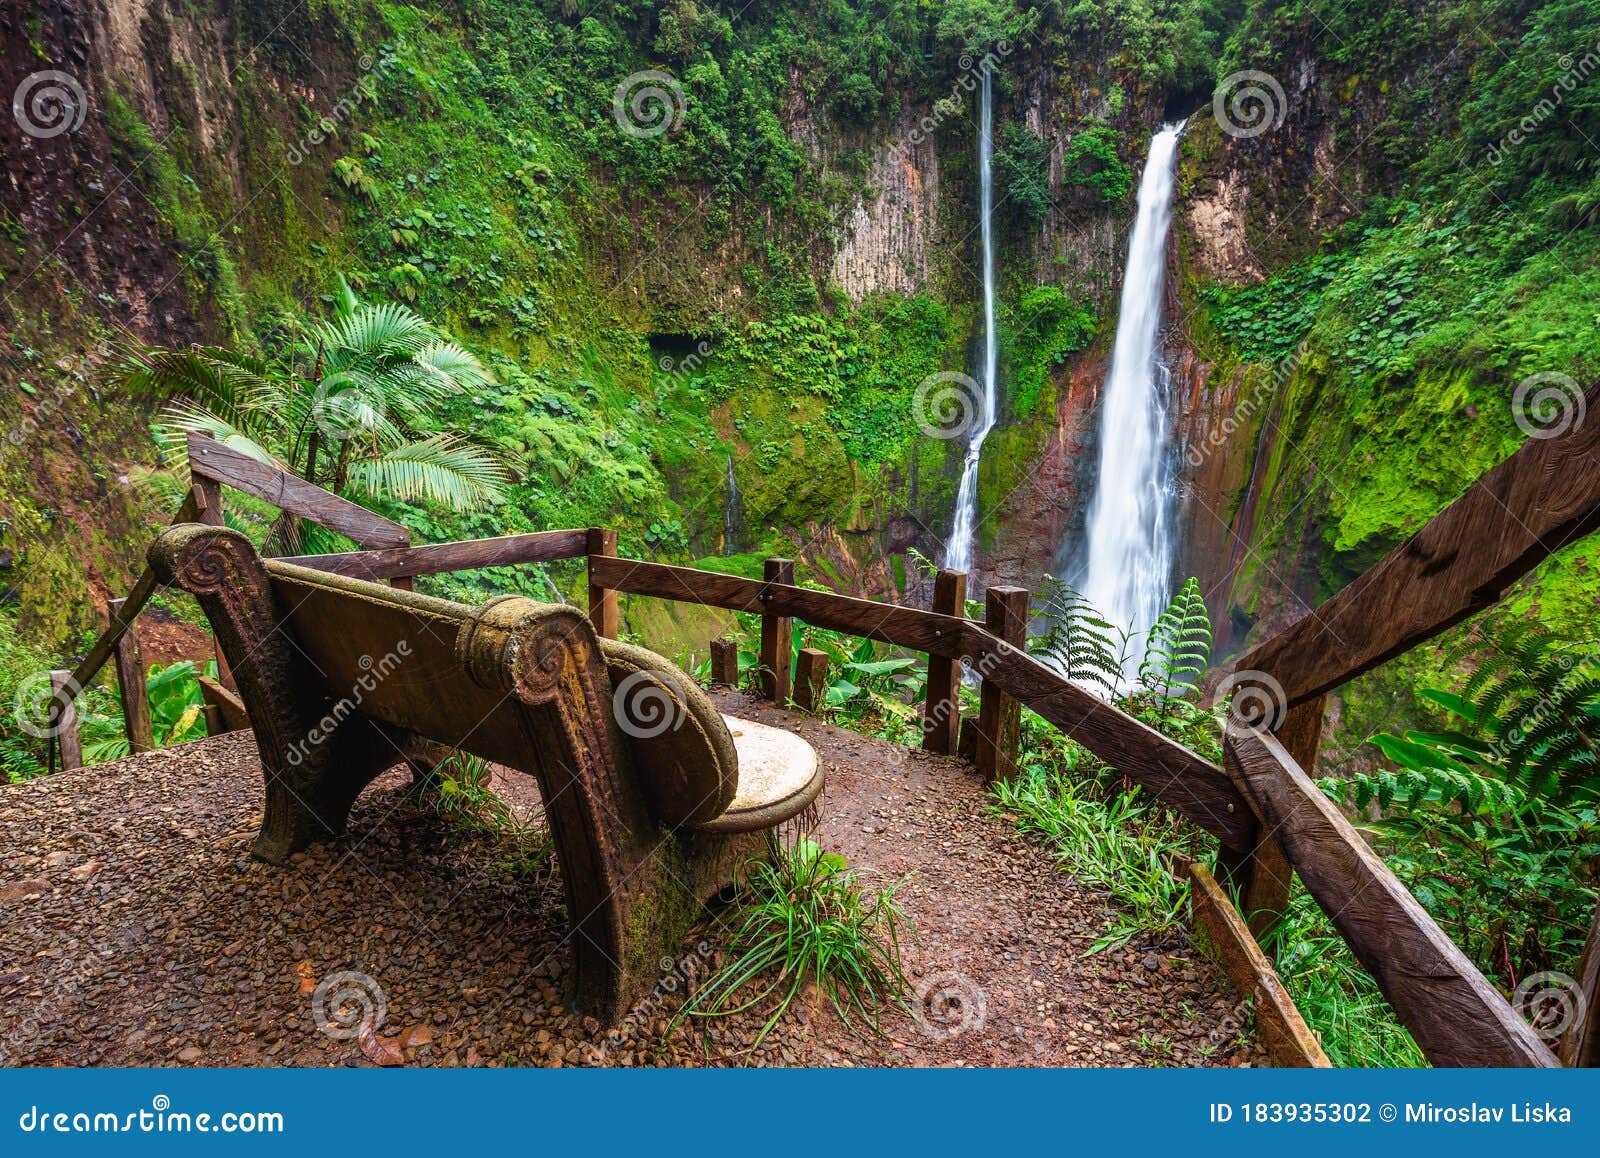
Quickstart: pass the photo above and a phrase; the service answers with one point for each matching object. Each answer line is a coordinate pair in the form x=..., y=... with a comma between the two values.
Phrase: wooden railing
x=1269, y=818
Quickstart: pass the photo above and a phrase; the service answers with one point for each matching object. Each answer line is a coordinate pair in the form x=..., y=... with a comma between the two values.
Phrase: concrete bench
x=654, y=800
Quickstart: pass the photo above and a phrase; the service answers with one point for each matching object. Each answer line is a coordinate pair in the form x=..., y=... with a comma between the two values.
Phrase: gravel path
x=135, y=930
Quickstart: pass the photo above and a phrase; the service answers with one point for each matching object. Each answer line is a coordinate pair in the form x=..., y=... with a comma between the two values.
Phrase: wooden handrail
x=439, y=558
x=288, y=492
x=1537, y=501
x=1457, y=1016
x=1197, y=788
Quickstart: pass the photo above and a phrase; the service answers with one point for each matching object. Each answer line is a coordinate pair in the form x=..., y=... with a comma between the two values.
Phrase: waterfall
x=958, y=552
x=1127, y=558
x=732, y=512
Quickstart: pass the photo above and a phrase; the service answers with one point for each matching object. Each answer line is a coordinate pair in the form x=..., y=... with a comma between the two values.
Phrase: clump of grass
x=807, y=918
x=1112, y=840
x=1336, y=996
x=460, y=792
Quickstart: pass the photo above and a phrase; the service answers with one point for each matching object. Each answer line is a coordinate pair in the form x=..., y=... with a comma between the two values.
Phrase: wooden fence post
x=777, y=637
x=66, y=720
x=941, y=708
x=207, y=494
x=1581, y=1045
x=404, y=582
x=811, y=680
x=131, y=684
x=725, y=662
x=602, y=600
x=1264, y=876
x=1005, y=616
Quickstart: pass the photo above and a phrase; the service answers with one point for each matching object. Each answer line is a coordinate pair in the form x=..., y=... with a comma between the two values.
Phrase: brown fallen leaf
x=415, y=1036
x=308, y=977
x=381, y=1051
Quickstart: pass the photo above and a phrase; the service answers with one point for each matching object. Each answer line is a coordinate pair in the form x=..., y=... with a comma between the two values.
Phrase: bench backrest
x=460, y=676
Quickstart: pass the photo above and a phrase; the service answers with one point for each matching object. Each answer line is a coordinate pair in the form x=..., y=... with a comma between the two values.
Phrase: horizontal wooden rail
x=1456, y=1015
x=211, y=459
x=1542, y=498
x=438, y=558
x=1283, y=1031
x=1198, y=789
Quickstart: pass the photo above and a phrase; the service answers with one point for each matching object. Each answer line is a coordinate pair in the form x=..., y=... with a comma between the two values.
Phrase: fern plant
x=1077, y=640
x=1177, y=651
x=1494, y=819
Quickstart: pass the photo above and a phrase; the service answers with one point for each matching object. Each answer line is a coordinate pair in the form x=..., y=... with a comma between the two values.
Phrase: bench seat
x=779, y=778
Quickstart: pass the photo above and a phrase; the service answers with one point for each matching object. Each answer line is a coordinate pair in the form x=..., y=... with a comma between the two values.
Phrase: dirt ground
x=135, y=930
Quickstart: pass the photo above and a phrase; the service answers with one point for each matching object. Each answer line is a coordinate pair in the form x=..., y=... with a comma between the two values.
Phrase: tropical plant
x=806, y=917
x=357, y=407
x=1076, y=640
x=175, y=713
x=1494, y=822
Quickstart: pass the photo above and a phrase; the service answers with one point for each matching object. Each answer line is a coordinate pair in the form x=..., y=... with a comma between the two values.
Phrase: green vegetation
x=1494, y=821
x=804, y=917
x=356, y=408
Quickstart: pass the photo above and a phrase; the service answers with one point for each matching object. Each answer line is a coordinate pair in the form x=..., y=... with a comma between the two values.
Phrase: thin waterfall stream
x=1128, y=542
x=958, y=551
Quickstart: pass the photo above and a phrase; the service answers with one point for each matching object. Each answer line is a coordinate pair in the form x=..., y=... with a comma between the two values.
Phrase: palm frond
x=445, y=469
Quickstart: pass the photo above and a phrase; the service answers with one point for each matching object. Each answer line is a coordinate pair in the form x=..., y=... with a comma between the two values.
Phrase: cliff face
x=197, y=199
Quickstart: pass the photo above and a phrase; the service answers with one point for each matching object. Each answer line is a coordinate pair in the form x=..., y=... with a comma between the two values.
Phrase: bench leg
x=316, y=754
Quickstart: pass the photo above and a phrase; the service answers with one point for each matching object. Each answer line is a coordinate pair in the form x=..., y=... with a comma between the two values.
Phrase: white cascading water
x=1128, y=540
x=958, y=552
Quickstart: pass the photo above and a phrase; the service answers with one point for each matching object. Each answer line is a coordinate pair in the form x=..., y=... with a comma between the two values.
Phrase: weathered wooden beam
x=1456, y=1015
x=1581, y=1045
x=65, y=725
x=441, y=558
x=1264, y=876
x=601, y=546
x=1542, y=498
x=725, y=662
x=1005, y=616
x=209, y=459
x=225, y=711
x=941, y=708
x=1283, y=1031
x=811, y=680
x=777, y=634
x=683, y=584
x=131, y=688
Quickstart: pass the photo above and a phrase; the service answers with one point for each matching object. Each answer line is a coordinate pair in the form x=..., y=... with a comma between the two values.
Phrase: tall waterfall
x=732, y=513
x=958, y=552
x=1128, y=541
